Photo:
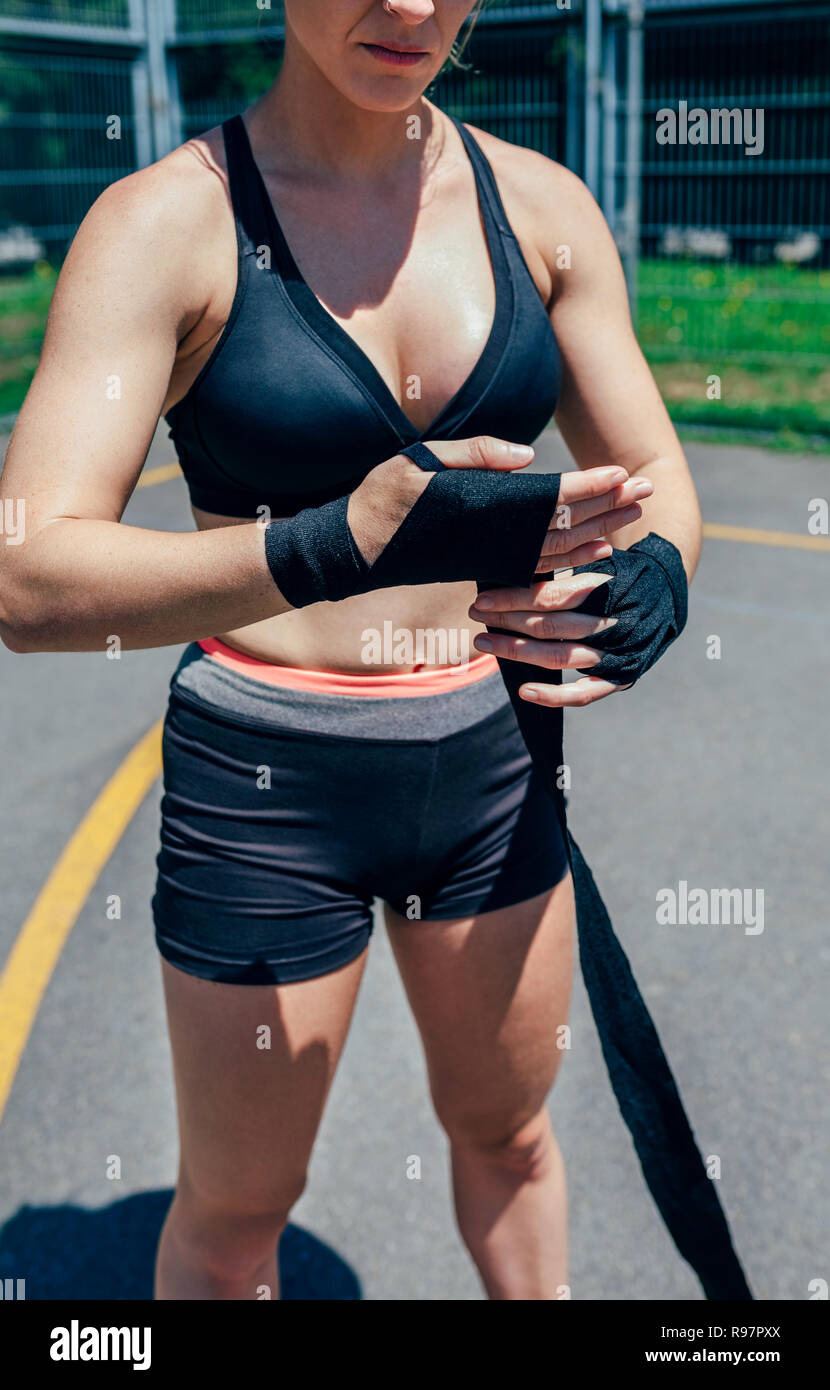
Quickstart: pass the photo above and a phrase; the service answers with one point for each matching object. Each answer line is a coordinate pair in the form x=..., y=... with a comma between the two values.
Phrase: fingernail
x=604, y=551
x=484, y=644
x=529, y=692
x=521, y=453
x=483, y=601
x=619, y=476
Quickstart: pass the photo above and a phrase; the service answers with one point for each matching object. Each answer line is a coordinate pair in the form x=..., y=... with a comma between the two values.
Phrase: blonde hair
x=456, y=58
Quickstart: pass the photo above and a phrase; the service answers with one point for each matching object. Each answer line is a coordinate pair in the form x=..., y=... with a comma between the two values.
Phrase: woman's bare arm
x=135, y=282
x=610, y=411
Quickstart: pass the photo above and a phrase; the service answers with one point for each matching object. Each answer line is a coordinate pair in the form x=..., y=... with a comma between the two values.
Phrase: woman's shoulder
x=528, y=176
x=546, y=203
x=160, y=228
x=183, y=188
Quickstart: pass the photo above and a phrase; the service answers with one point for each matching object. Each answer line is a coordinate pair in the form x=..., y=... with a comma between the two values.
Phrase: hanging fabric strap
x=639, y=1072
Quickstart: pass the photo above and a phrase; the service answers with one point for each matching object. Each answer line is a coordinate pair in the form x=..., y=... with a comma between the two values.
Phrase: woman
x=337, y=274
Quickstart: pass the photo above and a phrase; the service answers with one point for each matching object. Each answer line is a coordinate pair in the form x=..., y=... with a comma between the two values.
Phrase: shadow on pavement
x=69, y=1252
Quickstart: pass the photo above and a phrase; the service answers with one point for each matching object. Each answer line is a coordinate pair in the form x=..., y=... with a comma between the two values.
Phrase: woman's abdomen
x=401, y=629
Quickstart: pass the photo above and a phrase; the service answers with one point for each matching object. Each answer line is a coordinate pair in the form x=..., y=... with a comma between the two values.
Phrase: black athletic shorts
x=287, y=811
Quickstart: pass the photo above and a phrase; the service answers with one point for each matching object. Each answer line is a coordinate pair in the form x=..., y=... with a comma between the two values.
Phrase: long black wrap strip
x=637, y=1066
x=638, y=1069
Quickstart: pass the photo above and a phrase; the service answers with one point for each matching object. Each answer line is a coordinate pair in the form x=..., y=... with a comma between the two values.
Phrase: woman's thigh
x=490, y=995
x=253, y=1065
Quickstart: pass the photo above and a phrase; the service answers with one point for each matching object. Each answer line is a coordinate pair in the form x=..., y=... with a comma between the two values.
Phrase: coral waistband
x=430, y=680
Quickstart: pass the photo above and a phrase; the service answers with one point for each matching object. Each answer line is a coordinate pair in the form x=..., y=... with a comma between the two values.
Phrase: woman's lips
x=394, y=56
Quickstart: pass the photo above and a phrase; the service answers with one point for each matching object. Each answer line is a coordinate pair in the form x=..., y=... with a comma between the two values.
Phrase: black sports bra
x=289, y=412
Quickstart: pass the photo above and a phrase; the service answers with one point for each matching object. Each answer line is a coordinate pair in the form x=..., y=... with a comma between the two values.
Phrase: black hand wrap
x=648, y=595
x=463, y=522
x=466, y=521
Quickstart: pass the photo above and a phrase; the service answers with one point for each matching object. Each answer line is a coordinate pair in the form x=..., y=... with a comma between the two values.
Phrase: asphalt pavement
x=712, y=771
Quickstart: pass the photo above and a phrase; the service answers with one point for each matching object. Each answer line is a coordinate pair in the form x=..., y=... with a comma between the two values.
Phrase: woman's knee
x=521, y=1141
x=230, y=1235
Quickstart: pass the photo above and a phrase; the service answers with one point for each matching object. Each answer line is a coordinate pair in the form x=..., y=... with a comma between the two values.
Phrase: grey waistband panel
x=404, y=717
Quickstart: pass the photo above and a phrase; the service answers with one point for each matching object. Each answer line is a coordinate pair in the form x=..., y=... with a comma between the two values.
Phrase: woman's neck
x=306, y=124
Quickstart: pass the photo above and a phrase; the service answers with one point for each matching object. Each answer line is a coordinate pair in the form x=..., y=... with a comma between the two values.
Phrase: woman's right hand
x=591, y=501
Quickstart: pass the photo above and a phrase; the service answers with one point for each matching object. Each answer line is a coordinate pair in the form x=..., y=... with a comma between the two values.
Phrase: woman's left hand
x=548, y=634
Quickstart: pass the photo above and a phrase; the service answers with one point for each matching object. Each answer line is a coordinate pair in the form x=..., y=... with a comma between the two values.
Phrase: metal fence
x=728, y=244
x=727, y=250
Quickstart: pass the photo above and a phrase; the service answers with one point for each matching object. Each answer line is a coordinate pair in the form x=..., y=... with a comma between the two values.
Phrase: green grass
x=783, y=441
x=24, y=304
x=789, y=397
x=764, y=332
x=686, y=309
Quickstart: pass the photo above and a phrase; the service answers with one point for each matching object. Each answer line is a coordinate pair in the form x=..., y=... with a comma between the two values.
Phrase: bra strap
x=244, y=183
x=485, y=178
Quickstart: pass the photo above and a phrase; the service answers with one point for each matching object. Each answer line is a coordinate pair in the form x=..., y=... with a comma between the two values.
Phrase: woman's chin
x=384, y=95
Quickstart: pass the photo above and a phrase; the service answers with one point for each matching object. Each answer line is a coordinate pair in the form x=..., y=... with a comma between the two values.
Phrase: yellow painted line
x=792, y=539
x=151, y=476
x=43, y=935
